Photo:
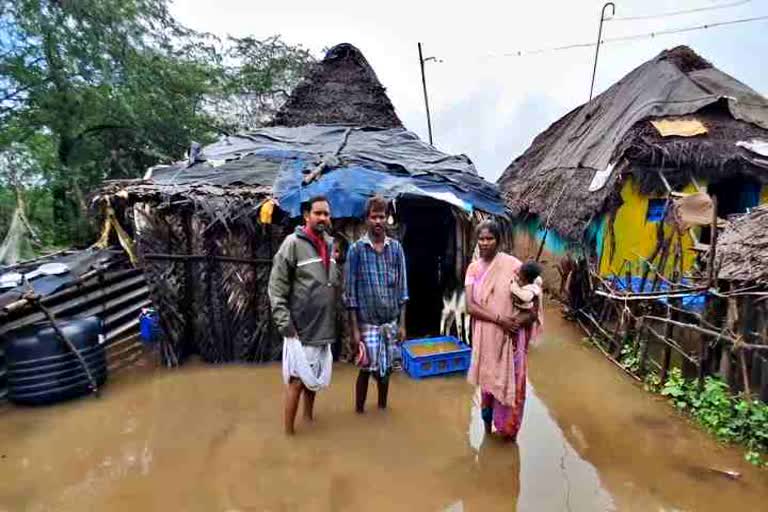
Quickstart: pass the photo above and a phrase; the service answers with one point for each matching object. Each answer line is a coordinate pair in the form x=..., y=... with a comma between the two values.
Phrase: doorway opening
x=430, y=252
x=735, y=195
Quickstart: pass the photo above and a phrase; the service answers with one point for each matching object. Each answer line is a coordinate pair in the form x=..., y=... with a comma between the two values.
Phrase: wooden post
x=731, y=322
x=642, y=350
x=712, y=244
x=617, y=340
x=745, y=328
x=630, y=331
x=677, y=262
x=703, y=361
x=649, y=261
x=666, y=356
x=628, y=283
x=745, y=374
x=662, y=262
x=604, y=311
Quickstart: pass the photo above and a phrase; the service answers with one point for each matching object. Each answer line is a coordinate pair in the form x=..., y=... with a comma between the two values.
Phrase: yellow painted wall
x=635, y=237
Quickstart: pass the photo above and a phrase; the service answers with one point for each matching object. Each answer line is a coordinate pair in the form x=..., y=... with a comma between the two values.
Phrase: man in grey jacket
x=302, y=291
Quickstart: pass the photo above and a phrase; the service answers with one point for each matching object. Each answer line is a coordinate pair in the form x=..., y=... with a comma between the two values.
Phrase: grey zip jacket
x=302, y=292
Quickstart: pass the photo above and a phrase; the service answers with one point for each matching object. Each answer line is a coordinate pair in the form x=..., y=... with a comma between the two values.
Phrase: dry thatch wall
x=208, y=267
x=742, y=250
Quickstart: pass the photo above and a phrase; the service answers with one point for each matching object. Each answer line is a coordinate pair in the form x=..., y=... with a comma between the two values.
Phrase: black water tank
x=42, y=369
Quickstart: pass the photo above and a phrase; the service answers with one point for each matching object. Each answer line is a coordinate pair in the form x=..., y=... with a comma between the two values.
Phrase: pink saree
x=499, y=361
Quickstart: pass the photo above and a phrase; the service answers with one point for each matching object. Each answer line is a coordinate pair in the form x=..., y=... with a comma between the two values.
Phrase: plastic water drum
x=42, y=369
x=149, y=326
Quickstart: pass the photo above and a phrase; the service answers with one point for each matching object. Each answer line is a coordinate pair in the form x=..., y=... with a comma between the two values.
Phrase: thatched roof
x=612, y=134
x=341, y=89
x=353, y=162
x=709, y=158
x=743, y=248
x=340, y=127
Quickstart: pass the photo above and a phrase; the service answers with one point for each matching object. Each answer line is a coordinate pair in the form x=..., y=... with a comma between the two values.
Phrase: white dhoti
x=311, y=364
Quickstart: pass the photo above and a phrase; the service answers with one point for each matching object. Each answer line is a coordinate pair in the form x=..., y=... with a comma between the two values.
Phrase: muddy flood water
x=210, y=438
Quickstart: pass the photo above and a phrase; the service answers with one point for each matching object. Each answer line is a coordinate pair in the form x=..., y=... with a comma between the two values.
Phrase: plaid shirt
x=376, y=284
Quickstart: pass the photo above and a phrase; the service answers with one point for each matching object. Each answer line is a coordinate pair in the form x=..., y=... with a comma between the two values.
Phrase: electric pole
x=426, y=98
x=597, y=48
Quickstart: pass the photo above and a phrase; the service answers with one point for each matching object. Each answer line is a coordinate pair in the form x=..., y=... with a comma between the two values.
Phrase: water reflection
x=210, y=438
x=476, y=426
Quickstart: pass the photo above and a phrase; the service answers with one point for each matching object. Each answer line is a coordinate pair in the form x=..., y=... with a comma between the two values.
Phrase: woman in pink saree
x=500, y=335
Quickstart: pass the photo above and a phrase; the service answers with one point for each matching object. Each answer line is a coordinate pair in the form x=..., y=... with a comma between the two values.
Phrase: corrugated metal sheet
x=115, y=293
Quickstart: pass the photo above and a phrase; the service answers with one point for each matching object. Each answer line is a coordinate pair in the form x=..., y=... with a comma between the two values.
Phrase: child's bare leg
x=361, y=391
x=292, y=395
x=383, y=389
x=309, y=404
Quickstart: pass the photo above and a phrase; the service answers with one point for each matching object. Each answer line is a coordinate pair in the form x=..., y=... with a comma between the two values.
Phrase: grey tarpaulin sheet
x=655, y=89
x=271, y=156
x=570, y=169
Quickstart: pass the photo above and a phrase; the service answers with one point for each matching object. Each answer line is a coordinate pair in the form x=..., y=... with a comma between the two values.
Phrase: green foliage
x=256, y=80
x=630, y=356
x=729, y=418
x=102, y=89
x=652, y=382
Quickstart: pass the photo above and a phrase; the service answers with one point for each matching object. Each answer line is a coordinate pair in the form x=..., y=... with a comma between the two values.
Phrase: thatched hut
x=600, y=181
x=742, y=250
x=742, y=262
x=207, y=228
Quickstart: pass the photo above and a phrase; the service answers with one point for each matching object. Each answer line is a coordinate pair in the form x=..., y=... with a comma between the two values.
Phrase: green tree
x=258, y=78
x=85, y=73
x=115, y=86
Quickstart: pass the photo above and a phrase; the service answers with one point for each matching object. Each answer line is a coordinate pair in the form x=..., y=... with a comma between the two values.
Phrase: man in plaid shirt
x=376, y=294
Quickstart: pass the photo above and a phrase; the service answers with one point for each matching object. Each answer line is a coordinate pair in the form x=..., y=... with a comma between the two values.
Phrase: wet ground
x=210, y=438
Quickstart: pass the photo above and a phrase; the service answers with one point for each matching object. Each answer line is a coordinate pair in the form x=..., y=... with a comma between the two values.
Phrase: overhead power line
x=679, y=13
x=632, y=37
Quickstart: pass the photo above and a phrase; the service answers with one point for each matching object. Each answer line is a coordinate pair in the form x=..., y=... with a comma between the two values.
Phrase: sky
x=485, y=101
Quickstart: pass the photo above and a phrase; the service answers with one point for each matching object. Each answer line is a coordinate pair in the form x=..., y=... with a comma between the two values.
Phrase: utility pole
x=424, y=85
x=597, y=48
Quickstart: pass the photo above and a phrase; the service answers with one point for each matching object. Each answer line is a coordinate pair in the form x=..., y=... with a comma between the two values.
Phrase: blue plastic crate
x=419, y=367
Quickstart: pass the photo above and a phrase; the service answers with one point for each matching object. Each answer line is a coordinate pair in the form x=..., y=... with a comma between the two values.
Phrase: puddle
x=210, y=438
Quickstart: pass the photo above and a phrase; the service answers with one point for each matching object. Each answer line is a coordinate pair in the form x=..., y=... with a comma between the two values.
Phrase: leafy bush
x=729, y=418
x=630, y=357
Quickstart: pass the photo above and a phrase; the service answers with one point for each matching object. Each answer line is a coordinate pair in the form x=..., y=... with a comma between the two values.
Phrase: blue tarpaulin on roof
x=348, y=188
x=360, y=162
